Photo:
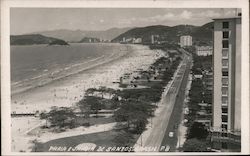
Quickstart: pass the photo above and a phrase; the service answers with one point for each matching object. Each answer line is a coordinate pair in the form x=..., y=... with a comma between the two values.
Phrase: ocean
x=37, y=65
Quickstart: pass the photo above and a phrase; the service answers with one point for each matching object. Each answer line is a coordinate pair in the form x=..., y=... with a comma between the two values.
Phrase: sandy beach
x=68, y=91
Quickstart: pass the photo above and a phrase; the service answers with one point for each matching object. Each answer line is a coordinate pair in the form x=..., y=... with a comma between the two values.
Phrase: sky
x=28, y=20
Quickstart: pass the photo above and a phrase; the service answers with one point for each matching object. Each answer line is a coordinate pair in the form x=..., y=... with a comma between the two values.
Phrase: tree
x=194, y=145
x=102, y=89
x=135, y=113
x=123, y=139
x=90, y=103
x=197, y=130
x=62, y=117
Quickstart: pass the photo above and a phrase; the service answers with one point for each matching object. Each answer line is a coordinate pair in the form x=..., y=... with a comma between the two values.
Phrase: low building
x=204, y=50
x=198, y=76
x=137, y=40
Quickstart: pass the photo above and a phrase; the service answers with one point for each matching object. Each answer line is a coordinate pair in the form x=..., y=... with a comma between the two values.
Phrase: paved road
x=177, y=112
x=161, y=120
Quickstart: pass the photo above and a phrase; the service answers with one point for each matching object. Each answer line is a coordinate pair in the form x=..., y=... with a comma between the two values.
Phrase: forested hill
x=33, y=39
x=200, y=34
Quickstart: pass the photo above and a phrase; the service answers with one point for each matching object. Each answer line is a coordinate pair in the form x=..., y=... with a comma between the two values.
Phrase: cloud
x=231, y=12
x=163, y=17
x=186, y=14
x=209, y=14
x=125, y=21
x=158, y=18
x=101, y=20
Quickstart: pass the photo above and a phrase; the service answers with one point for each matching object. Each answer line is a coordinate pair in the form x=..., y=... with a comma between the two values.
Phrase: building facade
x=226, y=122
x=204, y=50
x=185, y=41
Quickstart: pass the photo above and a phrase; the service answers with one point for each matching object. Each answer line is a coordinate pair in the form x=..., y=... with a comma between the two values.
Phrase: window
x=225, y=25
x=225, y=53
x=224, y=126
x=224, y=73
x=224, y=81
x=224, y=91
x=224, y=110
x=225, y=34
x=225, y=44
x=224, y=100
x=224, y=118
x=225, y=63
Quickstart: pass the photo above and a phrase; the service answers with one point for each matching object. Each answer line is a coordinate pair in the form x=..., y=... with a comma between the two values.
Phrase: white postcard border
x=5, y=57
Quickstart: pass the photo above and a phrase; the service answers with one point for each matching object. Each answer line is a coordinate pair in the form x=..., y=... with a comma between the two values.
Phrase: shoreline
x=65, y=72
x=66, y=81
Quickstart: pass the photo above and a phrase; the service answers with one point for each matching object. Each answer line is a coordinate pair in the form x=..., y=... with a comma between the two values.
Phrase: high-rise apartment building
x=185, y=41
x=226, y=122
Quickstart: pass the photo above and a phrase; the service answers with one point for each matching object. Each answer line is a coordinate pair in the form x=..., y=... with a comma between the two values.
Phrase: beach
x=67, y=91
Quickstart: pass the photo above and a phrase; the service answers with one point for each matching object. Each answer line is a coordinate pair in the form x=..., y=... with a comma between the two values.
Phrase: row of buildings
x=157, y=39
x=204, y=50
x=186, y=41
x=204, y=115
x=222, y=114
x=132, y=40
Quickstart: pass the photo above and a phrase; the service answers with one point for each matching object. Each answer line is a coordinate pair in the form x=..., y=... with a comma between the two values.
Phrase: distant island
x=32, y=39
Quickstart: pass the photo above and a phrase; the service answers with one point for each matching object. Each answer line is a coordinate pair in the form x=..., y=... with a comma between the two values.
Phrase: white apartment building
x=226, y=122
x=185, y=41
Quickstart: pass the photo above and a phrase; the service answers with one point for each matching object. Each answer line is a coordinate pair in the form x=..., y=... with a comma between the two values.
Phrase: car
x=171, y=134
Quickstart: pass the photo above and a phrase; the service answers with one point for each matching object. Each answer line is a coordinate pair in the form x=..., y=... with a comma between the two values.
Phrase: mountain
x=31, y=39
x=169, y=34
x=204, y=33
x=77, y=35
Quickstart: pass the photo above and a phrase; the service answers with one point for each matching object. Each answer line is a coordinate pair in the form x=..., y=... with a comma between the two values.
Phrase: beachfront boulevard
x=156, y=137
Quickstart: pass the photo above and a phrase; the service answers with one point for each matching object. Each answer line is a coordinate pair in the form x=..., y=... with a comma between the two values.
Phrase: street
x=155, y=136
x=175, y=117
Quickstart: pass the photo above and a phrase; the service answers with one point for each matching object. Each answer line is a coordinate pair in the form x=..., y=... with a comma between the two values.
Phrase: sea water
x=36, y=65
